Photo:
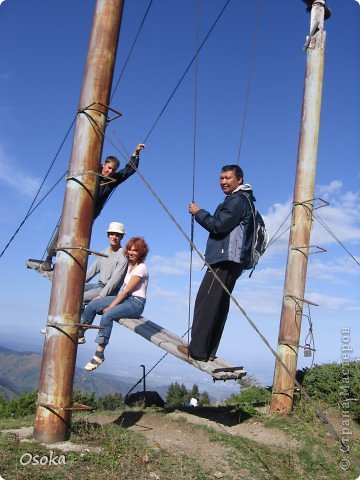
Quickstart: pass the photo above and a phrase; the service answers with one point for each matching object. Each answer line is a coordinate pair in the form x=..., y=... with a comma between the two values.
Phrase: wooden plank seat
x=219, y=369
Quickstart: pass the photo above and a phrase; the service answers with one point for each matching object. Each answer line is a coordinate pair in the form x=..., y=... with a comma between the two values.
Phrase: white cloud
x=178, y=264
x=262, y=293
x=332, y=303
x=340, y=219
x=325, y=191
x=18, y=180
x=277, y=221
x=264, y=301
x=334, y=270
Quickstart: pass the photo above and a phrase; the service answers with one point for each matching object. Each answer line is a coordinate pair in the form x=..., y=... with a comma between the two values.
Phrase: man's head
x=110, y=166
x=115, y=233
x=231, y=178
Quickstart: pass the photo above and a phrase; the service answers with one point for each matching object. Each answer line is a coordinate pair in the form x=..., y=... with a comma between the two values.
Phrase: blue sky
x=44, y=48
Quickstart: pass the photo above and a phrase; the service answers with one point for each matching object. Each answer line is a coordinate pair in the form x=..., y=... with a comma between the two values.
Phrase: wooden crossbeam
x=35, y=265
x=218, y=369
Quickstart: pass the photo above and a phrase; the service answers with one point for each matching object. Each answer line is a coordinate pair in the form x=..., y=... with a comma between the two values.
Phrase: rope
x=31, y=208
x=327, y=228
x=186, y=71
x=274, y=238
x=251, y=68
x=320, y=413
x=131, y=50
x=176, y=87
x=192, y=221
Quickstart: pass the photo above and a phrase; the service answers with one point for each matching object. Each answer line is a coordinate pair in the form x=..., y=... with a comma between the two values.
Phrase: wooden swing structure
x=52, y=423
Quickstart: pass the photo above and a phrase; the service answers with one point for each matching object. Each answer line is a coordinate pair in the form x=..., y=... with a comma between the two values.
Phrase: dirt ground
x=171, y=433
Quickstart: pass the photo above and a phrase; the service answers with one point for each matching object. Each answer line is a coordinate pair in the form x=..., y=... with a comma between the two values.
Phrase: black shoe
x=46, y=266
x=184, y=349
x=81, y=336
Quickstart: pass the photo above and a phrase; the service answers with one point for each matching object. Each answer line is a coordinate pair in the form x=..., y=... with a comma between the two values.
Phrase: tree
x=110, y=401
x=248, y=381
x=84, y=398
x=204, y=400
x=195, y=392
x=177, y=395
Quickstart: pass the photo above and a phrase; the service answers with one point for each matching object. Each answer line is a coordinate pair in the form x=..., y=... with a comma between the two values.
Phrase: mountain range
x=19, y=372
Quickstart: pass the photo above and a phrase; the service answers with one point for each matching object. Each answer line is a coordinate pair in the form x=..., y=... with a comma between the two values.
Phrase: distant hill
x=19, y=372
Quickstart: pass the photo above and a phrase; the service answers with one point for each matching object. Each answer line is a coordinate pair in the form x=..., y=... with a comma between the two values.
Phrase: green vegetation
x=25, y=404
x=334, y=385
x=178, y=395
x=112, y=451
x=252, y=396
x=151, y=443
x=123, y=456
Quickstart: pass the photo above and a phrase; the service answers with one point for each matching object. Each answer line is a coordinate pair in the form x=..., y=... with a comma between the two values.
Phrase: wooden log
x=169, y=341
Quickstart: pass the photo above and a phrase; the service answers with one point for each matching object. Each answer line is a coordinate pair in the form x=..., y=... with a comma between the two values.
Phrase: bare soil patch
x=173, y=432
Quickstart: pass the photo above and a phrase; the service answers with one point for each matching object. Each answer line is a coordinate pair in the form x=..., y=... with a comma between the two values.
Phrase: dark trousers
x=51, y=252
x=211, y=309
x=51, y=248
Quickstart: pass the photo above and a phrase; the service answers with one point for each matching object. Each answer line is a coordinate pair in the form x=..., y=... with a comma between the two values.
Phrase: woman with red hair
x=129, y=303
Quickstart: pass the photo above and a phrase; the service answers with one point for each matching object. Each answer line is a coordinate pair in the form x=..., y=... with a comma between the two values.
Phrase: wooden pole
x=58, y=364
x=296, y=269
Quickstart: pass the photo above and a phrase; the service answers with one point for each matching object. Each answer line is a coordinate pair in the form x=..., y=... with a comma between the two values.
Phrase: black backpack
x=260, y=238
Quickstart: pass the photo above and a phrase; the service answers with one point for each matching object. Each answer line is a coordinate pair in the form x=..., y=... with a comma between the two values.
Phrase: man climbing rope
x=108, y=169
x=227, y=252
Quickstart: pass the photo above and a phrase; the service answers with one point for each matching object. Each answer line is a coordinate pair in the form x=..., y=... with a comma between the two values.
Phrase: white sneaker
x=43, y=330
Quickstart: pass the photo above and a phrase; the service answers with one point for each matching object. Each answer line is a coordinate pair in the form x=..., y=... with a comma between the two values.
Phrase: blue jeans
x=131, y=307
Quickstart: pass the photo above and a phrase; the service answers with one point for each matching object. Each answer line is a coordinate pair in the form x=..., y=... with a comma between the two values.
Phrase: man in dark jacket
x=227, y=252
x=108, y=169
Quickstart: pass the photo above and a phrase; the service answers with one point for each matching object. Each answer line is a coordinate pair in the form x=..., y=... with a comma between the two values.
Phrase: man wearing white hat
x=111, y=269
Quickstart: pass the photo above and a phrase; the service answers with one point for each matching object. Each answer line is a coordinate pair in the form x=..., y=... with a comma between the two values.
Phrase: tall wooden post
x=296, y=269
x=58, y=364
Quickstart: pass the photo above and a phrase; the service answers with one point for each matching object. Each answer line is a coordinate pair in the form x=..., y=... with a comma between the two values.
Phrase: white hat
x=116, y=227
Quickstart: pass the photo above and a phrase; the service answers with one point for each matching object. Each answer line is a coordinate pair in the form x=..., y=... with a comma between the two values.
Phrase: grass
x=125, y=455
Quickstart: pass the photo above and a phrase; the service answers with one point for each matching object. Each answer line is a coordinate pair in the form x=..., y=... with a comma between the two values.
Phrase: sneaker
x=94, y=363
x=43, y=330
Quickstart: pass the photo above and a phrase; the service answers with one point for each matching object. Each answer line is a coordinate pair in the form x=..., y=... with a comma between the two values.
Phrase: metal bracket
x=83, y=325
x=316, y=248
x=90, y=252
x=75, y=407
x=107, y=107
x=107, y=180
x=305, y=347
x=297, y=299
x=311, y=201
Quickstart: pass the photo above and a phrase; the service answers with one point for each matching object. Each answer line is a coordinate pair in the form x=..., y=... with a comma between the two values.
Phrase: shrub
x=334, y=384
x=250, y=397
x=24, y=404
